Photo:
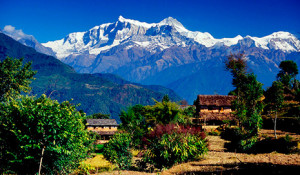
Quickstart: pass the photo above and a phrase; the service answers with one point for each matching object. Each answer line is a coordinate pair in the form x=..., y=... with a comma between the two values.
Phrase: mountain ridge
x=124, y=28
x=168, y=54
x=94, y=93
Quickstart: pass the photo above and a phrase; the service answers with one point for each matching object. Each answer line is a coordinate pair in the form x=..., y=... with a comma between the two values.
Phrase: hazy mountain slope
x=27, y=40
x=157, y=88
x=61, y=82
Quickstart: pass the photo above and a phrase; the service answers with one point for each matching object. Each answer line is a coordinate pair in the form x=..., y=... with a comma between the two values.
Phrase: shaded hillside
x=94, y=93
x=119, y=80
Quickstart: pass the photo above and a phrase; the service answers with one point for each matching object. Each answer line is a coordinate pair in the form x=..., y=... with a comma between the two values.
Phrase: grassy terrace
x=219, y=160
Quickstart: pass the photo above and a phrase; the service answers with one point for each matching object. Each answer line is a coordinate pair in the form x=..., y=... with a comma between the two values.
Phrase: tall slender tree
x=249, y=94
x=274, y=100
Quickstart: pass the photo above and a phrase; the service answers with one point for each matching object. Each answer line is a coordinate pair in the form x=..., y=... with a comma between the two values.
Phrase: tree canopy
x=134, y=122
x=41, y=131
x=289, y=67
x=14, y=77
x=288, y=73
x=99, y=116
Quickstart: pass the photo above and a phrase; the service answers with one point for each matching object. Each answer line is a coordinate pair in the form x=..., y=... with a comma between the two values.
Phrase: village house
x=104, y=127
x=214, y=108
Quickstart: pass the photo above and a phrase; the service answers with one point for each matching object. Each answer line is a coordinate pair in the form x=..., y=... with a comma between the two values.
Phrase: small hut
x=104, y=127
x=214, y=108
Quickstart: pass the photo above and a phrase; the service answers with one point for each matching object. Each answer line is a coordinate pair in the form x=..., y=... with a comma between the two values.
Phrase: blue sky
x=54, y=19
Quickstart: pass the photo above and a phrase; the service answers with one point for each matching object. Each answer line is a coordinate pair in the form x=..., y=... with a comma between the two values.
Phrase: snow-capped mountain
x=168, y=54
x=165, y=34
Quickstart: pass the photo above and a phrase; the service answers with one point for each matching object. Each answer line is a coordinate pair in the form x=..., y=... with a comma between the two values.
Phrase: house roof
x=214, y=100
x=101, y=122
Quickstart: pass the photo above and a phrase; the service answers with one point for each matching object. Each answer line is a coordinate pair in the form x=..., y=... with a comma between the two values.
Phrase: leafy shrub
x=99, y=148
x=41, y=130
x=165, y=112
x=134, y=122
x=247, y=144
x=169, y=144
x=241, y=140
x=117, y=150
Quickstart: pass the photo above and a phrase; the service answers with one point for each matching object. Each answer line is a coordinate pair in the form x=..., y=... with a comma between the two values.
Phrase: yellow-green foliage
x=135, y=152
x=165, y=112
x=99, y=164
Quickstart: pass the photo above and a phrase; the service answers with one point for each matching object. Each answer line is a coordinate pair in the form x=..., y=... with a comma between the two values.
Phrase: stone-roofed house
x=214, y=107
x=104, y=127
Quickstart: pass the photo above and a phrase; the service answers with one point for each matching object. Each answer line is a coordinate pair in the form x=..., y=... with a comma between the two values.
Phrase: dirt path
x=216, y=143
x=218, y=161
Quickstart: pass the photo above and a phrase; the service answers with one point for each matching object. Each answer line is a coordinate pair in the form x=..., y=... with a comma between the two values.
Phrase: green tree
x=249, y=93
x=288, y=73
x=238, y=69
x=14, y=77
x=291, y=86
x=117, y=150
x=251, y=104
x=274, y=100
x=99, y=116
x=189, y=112
x=163, y=113
x=41, y=135
x=134, y=122
x=165, y=98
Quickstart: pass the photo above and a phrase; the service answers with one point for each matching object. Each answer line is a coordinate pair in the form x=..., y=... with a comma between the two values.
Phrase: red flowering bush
x=169, y=144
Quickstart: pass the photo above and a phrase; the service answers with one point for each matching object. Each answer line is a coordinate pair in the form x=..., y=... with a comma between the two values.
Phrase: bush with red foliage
x=169, y=144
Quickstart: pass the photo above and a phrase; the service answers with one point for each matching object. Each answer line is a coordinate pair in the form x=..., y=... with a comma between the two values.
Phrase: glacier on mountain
x=169, y=32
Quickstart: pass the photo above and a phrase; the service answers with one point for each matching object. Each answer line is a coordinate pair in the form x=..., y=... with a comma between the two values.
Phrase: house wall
x=102, y=128
x=215, y=109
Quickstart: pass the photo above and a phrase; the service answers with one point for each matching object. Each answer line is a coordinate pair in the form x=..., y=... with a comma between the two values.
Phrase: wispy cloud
x=15, y=33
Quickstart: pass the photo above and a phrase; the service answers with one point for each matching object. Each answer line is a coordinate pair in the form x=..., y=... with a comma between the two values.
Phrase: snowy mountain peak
x=134, y=22
x=281, y=34
x=165, y=34
x=171, y=21
x=121, y=18
x=174, y=23
x=284, y=41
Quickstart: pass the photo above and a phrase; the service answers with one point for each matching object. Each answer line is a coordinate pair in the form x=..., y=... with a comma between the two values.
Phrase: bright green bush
x=134, y=122
x=117, y=150
x=41, y=130
x=169, y=144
